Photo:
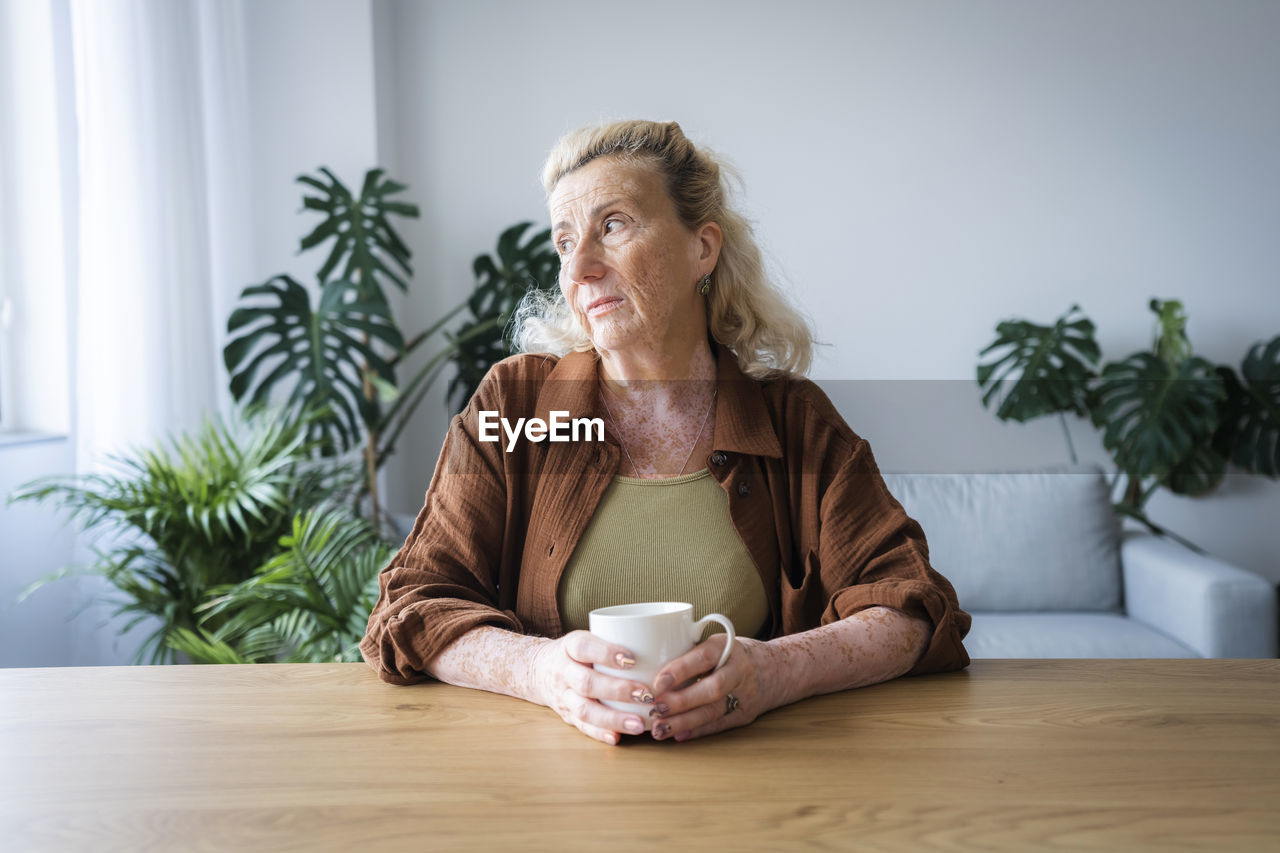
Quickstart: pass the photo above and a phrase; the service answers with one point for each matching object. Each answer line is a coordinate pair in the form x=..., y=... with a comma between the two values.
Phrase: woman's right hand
x=565, y=682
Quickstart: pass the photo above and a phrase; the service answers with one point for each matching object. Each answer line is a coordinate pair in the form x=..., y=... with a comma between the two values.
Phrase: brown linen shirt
x=497, y=528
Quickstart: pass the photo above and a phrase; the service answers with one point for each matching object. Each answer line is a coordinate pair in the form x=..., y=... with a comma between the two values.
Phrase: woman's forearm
x=869, y=647
x=493, y=659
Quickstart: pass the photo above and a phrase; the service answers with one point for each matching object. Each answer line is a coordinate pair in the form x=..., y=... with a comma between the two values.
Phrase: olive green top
x=664, y=540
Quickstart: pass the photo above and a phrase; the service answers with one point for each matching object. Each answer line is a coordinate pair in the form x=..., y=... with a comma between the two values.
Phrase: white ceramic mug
x=655, y=632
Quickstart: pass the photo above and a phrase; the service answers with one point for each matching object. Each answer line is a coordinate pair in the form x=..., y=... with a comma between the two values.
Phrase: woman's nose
x=585, y=264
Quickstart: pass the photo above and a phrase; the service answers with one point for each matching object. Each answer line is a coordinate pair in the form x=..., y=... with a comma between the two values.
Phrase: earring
x=704, y=284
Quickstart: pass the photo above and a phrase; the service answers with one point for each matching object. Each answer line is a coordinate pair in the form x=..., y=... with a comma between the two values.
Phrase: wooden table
x=1018, y=755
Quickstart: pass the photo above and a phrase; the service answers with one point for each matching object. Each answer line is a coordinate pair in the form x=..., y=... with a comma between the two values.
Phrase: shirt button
x=719, y=458
x=744, y=488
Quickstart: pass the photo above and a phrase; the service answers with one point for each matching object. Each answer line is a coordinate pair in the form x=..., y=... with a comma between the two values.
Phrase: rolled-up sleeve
x=871, y=553
x=444, y=580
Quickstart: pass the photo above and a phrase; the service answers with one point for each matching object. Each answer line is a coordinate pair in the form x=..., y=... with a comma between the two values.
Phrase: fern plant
x=309, y=603
x=233, y=537
x=183, y=517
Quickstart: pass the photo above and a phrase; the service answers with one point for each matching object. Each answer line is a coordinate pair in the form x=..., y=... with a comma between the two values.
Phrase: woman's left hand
x=703, y=707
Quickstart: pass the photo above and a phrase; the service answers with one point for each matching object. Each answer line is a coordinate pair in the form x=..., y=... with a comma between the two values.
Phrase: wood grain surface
x=1007, y=755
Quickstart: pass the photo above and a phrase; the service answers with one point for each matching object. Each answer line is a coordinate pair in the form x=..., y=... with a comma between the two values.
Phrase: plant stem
x=428, y=379
x=417, y=339
x=371, y=472
x=1062, y=419
x=371, y=438
x=1133, y=494
x=1160, y=531
x=412, y=394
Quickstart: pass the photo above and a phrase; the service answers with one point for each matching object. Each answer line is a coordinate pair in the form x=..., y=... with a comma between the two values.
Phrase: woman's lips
x=603, y=305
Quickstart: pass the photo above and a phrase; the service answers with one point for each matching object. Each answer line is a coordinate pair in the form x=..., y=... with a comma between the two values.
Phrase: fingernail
x=662, y=708
x=683, y=736
x=661, y=730
x=634, y=726
x=663, y=684
x=624, y=662
x=642, y=694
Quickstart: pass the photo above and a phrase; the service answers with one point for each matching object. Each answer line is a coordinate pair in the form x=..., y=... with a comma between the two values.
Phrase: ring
x=731, y=703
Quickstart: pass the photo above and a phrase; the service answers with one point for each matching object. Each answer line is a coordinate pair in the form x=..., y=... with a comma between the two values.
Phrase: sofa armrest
x=1213, y=607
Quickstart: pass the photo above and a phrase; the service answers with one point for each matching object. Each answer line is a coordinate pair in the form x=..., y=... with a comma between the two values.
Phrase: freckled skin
x=619, y=238
x=618, y=235
x=658, y=427
x=869, y=647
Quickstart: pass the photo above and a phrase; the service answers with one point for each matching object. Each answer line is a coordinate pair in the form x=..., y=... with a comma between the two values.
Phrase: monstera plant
x=240, y=543
x=501, y=282
x=332, y=352
x=1169, y=418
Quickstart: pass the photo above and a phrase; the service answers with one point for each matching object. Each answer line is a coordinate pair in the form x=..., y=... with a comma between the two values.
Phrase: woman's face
x=628, y=266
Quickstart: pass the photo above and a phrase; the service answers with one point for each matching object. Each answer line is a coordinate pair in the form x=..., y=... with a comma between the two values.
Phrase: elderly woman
x=725, y=480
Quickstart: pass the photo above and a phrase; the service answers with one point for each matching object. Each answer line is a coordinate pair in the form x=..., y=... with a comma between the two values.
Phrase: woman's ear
x=710, y=238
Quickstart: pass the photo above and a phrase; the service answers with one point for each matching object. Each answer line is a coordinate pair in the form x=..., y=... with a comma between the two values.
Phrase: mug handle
x=728, y=629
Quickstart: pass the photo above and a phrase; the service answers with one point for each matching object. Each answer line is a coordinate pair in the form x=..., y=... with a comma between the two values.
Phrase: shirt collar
x=743, y=424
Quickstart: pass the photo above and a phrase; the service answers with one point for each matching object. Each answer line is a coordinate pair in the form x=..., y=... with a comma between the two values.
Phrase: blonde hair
x=745, y=311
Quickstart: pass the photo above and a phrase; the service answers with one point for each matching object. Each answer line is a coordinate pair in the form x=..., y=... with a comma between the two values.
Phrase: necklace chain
x=604, y=397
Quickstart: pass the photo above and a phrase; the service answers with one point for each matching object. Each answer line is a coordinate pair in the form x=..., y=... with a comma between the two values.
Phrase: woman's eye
x=564, y=247
x=611, y=225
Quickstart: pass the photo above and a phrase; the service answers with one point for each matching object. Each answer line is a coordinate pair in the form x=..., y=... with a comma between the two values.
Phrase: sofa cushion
x=1034, y=541
x=1067, y=635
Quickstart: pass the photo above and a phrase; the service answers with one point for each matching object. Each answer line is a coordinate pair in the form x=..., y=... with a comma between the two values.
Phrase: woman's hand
x=703, y=707
x=565, y=682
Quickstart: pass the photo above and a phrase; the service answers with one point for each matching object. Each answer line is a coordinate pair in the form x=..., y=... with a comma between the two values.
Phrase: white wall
x=917, y=170
x=311, y=89
x=37, y=632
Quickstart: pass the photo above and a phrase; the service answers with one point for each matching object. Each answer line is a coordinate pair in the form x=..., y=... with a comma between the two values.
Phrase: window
x=6, y=312
x=37, y=155
x=6, y=306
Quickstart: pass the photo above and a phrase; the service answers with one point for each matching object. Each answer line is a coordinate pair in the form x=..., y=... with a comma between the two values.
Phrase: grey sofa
x=1040, y=561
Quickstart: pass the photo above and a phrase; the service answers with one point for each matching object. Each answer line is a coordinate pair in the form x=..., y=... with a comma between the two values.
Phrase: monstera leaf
x=1049, y=366
x=1154, y=415
x=362, y=233
x=518, y=269
x=322, y=351
x=1199, y=472
x=1171, y=343
x=1250, y=431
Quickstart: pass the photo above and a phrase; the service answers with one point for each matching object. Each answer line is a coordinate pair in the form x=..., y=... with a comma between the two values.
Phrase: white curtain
x=150, y=241
x=161, y=109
